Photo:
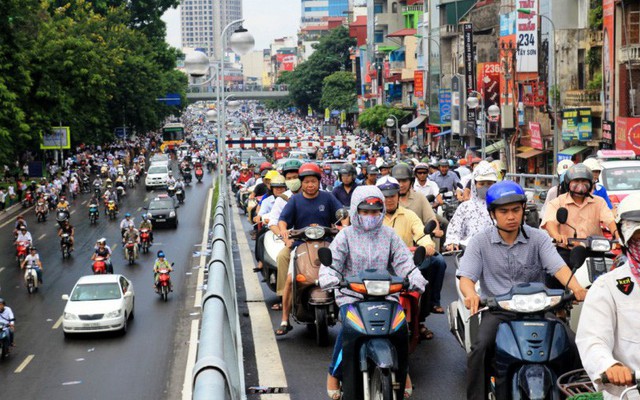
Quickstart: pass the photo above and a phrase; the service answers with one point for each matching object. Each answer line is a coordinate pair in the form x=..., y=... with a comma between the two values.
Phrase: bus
x=172, y=135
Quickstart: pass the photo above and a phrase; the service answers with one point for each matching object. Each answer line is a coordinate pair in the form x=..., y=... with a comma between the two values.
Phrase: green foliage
x=331, y=55
x=555, y=95
x=374, y=118
x=596, y=82
x=595, y=15
x=338, y=91
x=594, y=59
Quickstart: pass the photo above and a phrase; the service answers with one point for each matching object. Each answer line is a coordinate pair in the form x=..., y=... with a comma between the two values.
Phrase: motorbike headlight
x=172, y=214
x=377, y=288
x=70, y=316
x=314, y=232
x=529, y=303
x=113, y=314
x=602, y=245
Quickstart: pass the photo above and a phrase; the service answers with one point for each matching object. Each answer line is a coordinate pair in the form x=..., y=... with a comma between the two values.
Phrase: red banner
x=628, y=134
x=536, y=135
x=418, y=84
x=608, y=57
x=489, y=83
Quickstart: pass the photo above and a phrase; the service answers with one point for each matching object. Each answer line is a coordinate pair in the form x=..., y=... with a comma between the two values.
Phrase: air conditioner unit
x=507, y=114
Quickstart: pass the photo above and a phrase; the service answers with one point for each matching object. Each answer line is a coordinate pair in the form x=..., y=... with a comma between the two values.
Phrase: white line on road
x=24, y=364
x=83, y=203
x=57, y=324
x=191, y=360
x=2, y=269
x=73, y=211
x=114, y=247
x=42, y=236
x=139, y=208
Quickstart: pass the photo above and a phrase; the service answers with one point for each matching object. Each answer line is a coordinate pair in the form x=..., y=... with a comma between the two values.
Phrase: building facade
x=313, y=12
x=202, y=22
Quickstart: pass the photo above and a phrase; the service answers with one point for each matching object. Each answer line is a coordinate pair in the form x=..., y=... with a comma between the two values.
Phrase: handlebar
x=634, y=376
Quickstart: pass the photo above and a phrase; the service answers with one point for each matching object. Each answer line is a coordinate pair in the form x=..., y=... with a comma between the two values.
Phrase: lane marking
x=83, y=203
x=203, y=251
x=72, y=212
x=191, y=360
x=57, y=324
x=114, y=247
x=2, y=269
x=139, y=208
x=24, y=364
x=268, y=360
x=42, y=236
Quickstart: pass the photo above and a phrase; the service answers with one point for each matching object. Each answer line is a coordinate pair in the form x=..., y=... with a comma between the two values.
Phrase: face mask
x=633, y=247
x=293, y=184
x=369, y=222
x=578, y=188
x=482, y=192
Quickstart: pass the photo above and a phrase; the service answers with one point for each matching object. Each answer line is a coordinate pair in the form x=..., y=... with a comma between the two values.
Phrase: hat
x=388, y=185
x=372, y=170
x=271, y=174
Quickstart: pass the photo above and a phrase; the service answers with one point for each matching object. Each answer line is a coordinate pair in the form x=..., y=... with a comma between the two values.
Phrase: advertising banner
x=576, y=124
x=628, y=134
x=289, y=62
x=608, y=57
x=608, y=131
x=418, y=84
x=527, y=33
x=456, y=90
x=469, y=60
x=444, y=99
x=507, y=44
x=58, y=138
x=489, y=83
x=536, y=135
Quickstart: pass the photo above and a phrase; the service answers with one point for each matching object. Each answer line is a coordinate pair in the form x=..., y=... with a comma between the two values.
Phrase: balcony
x=583, y=98
x=447, y=31
x=629, y=54
x=596, y=38
x=411, y=9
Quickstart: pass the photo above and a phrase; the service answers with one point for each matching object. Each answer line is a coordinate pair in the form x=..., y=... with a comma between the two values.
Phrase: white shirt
x=125, y=224
x=609, y=328
x=32, y=260
x=24, y=237
x=278, y=206
x=266, y=205
x=429, y=188
x=6, y=316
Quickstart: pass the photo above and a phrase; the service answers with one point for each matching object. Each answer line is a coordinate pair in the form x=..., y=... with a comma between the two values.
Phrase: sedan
x=621, y=178
x=98, y=303
x=162, y=210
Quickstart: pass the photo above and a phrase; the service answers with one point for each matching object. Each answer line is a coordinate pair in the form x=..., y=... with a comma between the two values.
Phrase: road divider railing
x=218, y=373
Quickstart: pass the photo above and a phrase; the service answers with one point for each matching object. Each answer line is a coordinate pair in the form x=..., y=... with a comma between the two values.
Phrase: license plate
x=93, y=324
x=161, y=220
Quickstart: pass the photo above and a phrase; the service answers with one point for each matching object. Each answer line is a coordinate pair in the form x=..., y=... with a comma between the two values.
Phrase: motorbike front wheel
x=381, y=387
x=165, y=293
x=322, y=328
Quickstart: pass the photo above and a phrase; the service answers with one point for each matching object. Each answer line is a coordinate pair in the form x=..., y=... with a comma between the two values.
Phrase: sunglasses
x=421, y=172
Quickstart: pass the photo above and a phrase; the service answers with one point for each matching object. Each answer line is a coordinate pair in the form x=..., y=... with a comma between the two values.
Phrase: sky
x=265, y=19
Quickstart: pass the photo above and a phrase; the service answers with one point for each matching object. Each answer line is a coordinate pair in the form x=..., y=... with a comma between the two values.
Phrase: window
x=377, y=8
x=378, y=36
x=634, y=27
x=394, y=7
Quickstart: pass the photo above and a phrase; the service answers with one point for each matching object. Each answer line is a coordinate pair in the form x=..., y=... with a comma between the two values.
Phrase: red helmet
x=265, y=165
x=309, y=169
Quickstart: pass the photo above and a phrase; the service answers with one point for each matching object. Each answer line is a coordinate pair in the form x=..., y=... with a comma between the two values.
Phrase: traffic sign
x=120, y=132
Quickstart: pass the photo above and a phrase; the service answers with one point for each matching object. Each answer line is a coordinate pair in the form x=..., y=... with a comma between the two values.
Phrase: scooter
x=375, y=349
x=111, y=209
x=180, y=195
x=21, y=251
x=145, y=240
x=28, y=200
x=94, y=213
x=62, y=215
x=121, y=191
x=65, y=246
x=199, y=174
x=186, y=174
x=42, y=210
x=131, y=181
x=272, y=246
x=31, y=279
x=99, y=266
x=528, y=345
x=97, y=190
x=450, y=204
x=163, y=287
x=130, y=251
x=86, y=187
x=4, y=337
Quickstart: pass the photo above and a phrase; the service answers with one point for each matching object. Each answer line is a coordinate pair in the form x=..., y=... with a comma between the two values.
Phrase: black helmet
x=402, y=171
x=579, y=171
x=2, y=301
x=371, y=203
x=347, y=169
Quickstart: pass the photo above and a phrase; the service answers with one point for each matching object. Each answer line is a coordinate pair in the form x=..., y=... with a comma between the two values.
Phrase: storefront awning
x=497, y=146
x=414, y=124
x=448, y=131
x=529, y=153
x=569, y=151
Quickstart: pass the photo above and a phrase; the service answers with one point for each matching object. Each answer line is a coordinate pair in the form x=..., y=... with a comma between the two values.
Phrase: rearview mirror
x=577, y=256
x=430, y=227
x=431, y=198
x=326, y=258
x=543, y=195
x=419, y=255
x=562, y=215
x=342, y=213
x=65, y=297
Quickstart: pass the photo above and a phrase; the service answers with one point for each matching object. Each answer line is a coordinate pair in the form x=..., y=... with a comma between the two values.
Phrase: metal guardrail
x=219, y=373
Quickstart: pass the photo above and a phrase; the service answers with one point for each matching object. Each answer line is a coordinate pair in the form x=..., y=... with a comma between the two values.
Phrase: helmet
x=451, y=163
x=593, y=164
x=347, y=169
x=385, y=164
x=33, y=248
x=127, y=215
x=263, y=173
x=271, y=174
x=563, y=166
x=443, y=163
x=265, y=165
x=102, y=241
x=291, y=166
x=401, y=171
x=371, y=203
x=23, y=228
x=310, y=169
x=160, y=254
x=2, y=301
x=278, y=181
x=372, y=170
x=505, y=192
x=628, y=210
x=388, y=185
x=144, y=216
x=419, y=166
x=579, y=171
x=462, y=161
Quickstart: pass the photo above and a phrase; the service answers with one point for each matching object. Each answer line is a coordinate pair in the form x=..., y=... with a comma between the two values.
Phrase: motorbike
x=311, y=304
x=86, y=187
x=180, y=195
x=209, y=166
x=21, y=250
x=145, y=240
x=31, y=279
x=462, y=324
x=199, y=174
x=131, y=181
x=94, y=213
x=4, y=338
x=99, y=266
x=111, y=209
x=450, y=205
x=97, y=190
x=272, y=246
x=65, y=245
x=130, y=251
x=28, y=200
x=186, y=175
x=375, y=349
x=120, y=189
x=62, y=215
x=171, y=190
x=42, y=210
x=52, y=200
x=164, y=283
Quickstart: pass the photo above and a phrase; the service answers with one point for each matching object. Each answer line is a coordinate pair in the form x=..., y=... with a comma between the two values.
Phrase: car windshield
x=622, y=178
x=157, y=170
x=96, y=291
x=160, y=205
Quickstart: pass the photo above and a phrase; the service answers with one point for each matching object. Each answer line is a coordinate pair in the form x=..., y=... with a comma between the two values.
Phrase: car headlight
x=602, y=245
x=172, y=214
x=314, y=232
x=68, y=315
x=377, y=288
x=529, y=303
x=113, y=314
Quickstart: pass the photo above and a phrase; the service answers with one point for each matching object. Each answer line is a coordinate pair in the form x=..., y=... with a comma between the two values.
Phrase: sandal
x=283, y=329
x=408, y=392
x=425, y=333
x=334, y=394
x=277, y=307
x=437, y=310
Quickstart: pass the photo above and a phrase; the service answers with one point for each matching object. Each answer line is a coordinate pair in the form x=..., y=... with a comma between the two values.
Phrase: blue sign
x=120, y=132
x=508, y=24
x=171, y=99
x=444, y=101
x=563, y=157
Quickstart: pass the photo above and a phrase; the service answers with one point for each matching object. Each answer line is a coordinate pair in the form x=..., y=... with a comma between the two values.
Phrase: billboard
x=608, y=57
x=507, y=44
x=58, y=138
x=489, y=83
x=576, y=124
x=418, y=84
x=527, y=36
x=628, y=134
x=469, y=63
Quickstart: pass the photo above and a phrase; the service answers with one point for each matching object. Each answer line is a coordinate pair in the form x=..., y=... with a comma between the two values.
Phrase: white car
x=157, y=176
x=159, y=159
x=620, y=178
x=98, y=303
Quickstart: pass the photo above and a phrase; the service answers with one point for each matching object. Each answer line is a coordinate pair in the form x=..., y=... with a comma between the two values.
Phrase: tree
x=338, y=91
x=375, y=118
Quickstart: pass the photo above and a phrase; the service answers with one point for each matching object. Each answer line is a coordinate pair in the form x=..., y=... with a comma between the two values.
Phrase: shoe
x=284, y=328
x=334, y=394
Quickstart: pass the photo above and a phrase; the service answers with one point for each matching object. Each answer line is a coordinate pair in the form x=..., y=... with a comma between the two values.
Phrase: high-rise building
x=202, y=22
x=316, y=11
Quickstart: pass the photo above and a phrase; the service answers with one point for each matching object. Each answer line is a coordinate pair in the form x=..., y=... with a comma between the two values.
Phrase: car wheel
x=125, y=326
x=67, y=335
x=175, y=226
x=132, y=315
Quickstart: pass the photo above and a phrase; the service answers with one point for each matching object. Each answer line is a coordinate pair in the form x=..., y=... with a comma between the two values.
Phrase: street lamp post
x=474, y=101
x=392, y=122
x=556, y=94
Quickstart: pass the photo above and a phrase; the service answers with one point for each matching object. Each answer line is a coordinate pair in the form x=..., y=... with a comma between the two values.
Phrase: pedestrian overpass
x=209, y=94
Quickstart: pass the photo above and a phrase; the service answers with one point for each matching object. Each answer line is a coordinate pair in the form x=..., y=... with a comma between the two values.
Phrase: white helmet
x=563, y=166
x=628, y=218
x=593, y=164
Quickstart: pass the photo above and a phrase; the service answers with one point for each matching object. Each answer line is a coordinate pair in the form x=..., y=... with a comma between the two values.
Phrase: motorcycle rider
x=171, y=181
x=607, y=336
x=351, y=250
x=7, y=318
x=68, y=229
x=161, y=263
x=472, y=216
x=126, y=223
x=33, y=259
x=596, y=168
x=424, y=185
x=586, y=212
x=561, y=187
x=20, y=222
x=500, y=257
x=131, y=235
x=146, y=224
x=343, y=193
x=372, y=175
x=445, y=178
x=313, y=206
x=328, y=178
x=63, y=204
x=104, y=251
x=23, y=235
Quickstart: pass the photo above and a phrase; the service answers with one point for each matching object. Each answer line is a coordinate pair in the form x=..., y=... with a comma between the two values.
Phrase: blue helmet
x=127, y=215
x=161, y=254
x=505, y=192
